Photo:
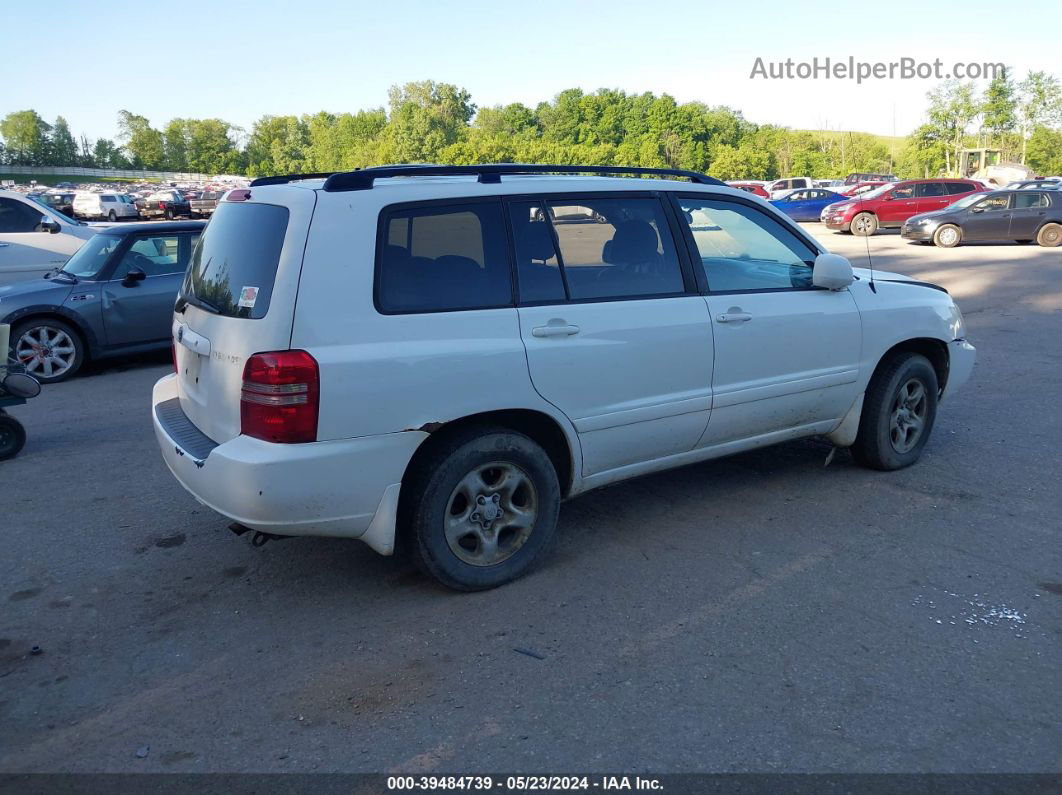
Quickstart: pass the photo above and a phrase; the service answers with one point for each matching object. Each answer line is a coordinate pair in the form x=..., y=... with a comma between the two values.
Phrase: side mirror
x=832, y=271
x=50, y=226
x=977, y=209
x=135, y=275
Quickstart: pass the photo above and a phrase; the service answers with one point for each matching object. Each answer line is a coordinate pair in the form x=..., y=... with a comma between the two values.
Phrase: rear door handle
x=733, y=317
x=554, y=330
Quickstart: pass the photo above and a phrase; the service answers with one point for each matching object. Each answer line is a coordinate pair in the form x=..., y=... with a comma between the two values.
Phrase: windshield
x=966, y=201
x=91, y=257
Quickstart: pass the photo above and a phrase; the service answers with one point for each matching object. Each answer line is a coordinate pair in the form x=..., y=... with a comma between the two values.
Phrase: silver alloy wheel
x=949, y=236
x=1050, y=235
x=46, y=351
x=491, y=513
x=909, y=411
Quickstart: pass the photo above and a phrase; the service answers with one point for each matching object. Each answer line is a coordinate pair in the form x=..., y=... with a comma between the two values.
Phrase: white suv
x=421, y=353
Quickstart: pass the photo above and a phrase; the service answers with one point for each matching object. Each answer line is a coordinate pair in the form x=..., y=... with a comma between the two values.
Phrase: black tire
x=112, y=217
x=54, y=324
x=864, y=224
x=875, y=445
x=12, y=436
x=169, y=214
x=436, y=496
x=947, y=236
x=1050, y=235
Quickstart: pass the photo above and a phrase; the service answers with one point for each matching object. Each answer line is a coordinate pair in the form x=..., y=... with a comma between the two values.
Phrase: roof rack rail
x=362, y=179
x=284, y=179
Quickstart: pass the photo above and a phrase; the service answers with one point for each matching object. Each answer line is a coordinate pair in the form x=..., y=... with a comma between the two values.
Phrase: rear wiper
x=202, y=302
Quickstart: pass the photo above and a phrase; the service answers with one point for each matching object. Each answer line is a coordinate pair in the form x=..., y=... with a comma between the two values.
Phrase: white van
x=35, y=238
x=415, y=353
x=104, y=206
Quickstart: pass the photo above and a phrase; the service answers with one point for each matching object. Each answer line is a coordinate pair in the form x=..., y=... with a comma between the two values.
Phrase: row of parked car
x=945, y=212
x=113, y=206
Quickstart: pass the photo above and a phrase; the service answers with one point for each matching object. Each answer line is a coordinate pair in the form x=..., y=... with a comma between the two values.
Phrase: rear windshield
x=235, y=263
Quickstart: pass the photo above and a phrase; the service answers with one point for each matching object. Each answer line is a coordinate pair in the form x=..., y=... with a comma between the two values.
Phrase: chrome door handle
x=733, y=317
x=554, y=330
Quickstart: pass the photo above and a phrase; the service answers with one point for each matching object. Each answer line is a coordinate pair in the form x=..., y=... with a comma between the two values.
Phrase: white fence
x=127, y=173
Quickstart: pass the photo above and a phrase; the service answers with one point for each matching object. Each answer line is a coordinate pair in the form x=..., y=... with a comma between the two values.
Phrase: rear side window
x=954, y=188
x=235, y=263
x=927, y=189
x=1025, y=201
x=443, y=257
x=107, y=198
x=609, y=248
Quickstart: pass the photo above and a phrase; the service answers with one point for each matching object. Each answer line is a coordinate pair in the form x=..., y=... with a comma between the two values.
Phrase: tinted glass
x=994, y=202
x=443, y=258
x=903, y=193
x=537, y=268
x=18, y=217
x=615, y=248
x=929, y=189
x=742, y=248
x=957, y=187
x=235, y=263
x=1026, y=200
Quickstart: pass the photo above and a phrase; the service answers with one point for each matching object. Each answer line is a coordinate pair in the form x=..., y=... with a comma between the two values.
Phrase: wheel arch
x=539, y=426
x=933, y=349
x=88, y=336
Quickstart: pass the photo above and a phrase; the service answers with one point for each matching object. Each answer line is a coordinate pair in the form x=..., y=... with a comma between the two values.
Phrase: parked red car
x=895, y=202
x=752, y=187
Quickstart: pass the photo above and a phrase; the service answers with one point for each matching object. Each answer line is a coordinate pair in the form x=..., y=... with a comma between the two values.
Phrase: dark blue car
x=115, y=295
x=807, y=203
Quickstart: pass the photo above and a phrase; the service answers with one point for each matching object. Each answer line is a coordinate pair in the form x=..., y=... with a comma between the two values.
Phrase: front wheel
x=864, y=224
x=50, y=349
x=482, y=507
x=12, y=436
x=899, y=410
x=1050, y=235
x=947, y=236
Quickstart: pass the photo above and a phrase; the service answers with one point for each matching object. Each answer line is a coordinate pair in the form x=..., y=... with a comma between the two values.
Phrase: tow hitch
x=259, y=539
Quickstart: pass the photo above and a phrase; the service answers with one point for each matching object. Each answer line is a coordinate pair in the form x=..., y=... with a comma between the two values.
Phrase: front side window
x=89, y=260
x=18, y=217
x=156, y=255
x=443, y=257
x=743, y=249
x=1029, y=200
x=903, y=193
x=591, y=249
x=993, y=203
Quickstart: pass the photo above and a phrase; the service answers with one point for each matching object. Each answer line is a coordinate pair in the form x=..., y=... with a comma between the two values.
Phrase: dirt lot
x=762, y=612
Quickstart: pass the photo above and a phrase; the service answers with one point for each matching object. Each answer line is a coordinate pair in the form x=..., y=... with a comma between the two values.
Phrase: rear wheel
x=50, y=349
x=1050, y=235
x=112, y=217
x=482, y=507
x=899, y=410
x=169, y=214
x=947, y=236
x=864, y=224
x=12, y=436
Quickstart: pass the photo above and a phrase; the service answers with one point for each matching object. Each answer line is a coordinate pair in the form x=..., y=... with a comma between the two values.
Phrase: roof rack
x=284, y=179
x=362, y=179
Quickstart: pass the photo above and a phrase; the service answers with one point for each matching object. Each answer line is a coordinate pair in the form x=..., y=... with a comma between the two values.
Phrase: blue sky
x=239, y=60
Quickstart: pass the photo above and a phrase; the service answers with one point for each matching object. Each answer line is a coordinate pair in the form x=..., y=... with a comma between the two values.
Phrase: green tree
x=63, y=149
x=952, y=108
x=1044, y=151
x=1040, y=104
x=142, y=141
x=999, y=109
x=425, y=117
x=25, y=136
x=744, y=162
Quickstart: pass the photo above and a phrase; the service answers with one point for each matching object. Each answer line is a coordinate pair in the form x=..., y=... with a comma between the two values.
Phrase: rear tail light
x=280, y=397
x=162, y=205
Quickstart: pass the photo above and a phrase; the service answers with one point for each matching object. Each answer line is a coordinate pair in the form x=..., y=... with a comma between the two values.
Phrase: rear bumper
x=346, y=487
x=961, y=358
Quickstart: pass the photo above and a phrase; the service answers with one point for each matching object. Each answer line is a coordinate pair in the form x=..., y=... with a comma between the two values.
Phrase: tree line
x=438, y=122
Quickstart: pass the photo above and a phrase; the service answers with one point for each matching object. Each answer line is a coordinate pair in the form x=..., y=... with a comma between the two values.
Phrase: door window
x=608, y=248
x=18, y=217
x=953, y=188
x=742, y=249
x=438, y=258
x=156, y=255
x=1027, y=200
x=929, y=189
x=993, y=203
x=903, y=193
